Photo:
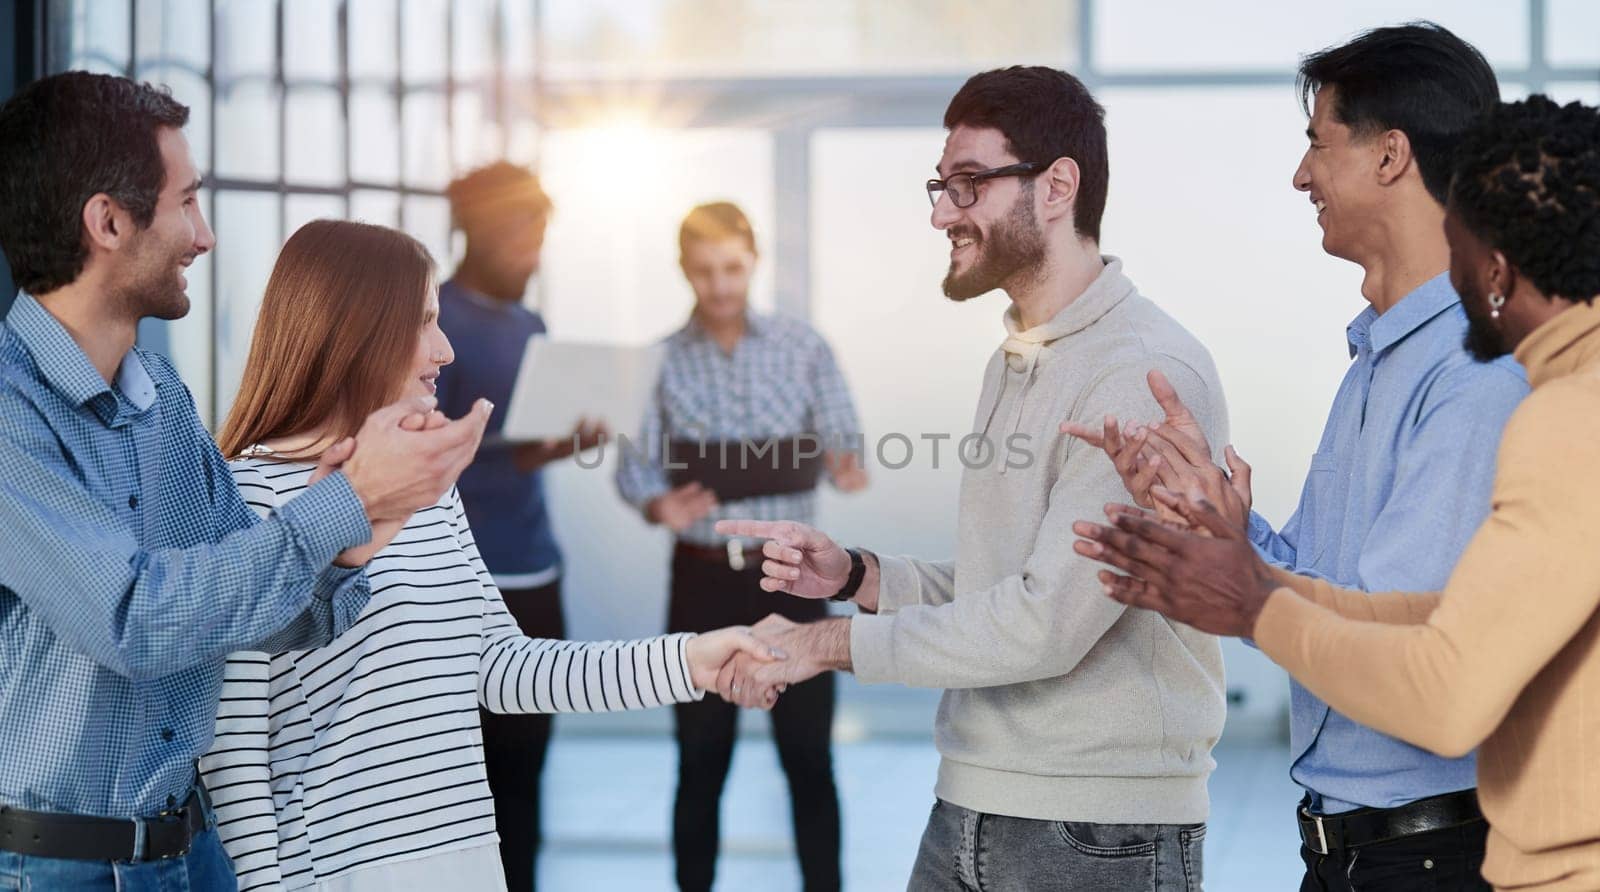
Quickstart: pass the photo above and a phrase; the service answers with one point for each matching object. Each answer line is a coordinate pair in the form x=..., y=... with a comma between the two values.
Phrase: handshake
x=751, y=665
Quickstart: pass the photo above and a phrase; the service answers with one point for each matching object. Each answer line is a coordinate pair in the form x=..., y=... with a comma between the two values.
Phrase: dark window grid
x=344, y=84
x=493, y=87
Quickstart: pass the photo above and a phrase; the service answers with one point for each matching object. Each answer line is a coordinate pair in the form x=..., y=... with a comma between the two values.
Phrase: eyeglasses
x=963, y=187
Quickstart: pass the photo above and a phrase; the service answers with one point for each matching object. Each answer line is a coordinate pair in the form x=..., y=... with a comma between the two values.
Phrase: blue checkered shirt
x=131, y=567
x=781, y=380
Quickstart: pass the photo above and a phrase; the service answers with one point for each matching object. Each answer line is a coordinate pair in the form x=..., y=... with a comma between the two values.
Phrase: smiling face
x=997, y=240
x=433, y=351
x=151, y=272
x=1339, y=173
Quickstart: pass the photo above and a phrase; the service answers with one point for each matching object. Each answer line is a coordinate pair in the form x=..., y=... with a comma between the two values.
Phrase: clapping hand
x=1173, y=454
x=1213, y=581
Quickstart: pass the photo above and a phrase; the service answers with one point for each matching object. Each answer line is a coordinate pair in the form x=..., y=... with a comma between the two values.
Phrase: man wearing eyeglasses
x=1076, y=735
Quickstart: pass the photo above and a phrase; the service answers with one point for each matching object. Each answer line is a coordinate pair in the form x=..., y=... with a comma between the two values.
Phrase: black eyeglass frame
x=937, y=187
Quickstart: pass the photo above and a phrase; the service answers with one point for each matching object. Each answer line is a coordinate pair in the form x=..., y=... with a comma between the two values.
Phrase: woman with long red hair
x=359, y=765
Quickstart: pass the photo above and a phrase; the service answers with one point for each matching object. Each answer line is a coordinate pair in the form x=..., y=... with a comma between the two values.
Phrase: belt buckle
x=735, y=555
x=1322, y=835
x=141, y=834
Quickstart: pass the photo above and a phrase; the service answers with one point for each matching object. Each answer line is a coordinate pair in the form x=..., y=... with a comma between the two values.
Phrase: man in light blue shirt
x=129, y=564
x=1402, y=476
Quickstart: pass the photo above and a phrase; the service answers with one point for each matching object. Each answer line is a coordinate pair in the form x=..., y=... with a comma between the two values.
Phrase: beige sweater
x=1509, y=654
x=1060, y=704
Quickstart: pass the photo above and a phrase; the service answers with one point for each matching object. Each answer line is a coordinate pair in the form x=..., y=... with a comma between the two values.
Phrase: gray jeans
x=967, y=851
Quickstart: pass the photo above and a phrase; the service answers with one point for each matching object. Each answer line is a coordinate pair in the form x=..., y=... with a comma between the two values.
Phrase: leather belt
x=732, y=555
x=1364, y=826
x=91, y=838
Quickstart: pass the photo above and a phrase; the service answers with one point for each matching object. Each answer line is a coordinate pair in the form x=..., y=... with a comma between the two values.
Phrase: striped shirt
x=780, y=381
x=368, y=751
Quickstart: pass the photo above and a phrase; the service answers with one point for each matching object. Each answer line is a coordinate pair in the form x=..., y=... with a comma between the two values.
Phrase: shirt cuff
x=872, y=648
x=1259, y=531
x=332, y=580
x=695, y=694
x=644, y=495
x=326, y=519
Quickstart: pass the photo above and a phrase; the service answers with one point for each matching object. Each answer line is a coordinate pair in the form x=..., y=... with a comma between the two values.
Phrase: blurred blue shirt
x=1399, y=483
x=505, y=506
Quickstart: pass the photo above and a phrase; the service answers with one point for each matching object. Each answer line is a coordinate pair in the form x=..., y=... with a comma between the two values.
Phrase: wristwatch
x=858, y=571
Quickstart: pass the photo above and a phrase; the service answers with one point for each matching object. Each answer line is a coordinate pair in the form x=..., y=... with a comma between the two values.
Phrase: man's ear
x=1502, y=275
x=1395, y=158
x=106, y=224
x=1061, y=180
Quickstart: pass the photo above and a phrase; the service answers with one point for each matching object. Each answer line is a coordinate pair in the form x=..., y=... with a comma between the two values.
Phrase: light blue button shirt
x=1399, y=483
x=129, y=568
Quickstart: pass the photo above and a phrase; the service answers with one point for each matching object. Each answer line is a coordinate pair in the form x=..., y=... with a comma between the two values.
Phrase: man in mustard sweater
x=1507, y=656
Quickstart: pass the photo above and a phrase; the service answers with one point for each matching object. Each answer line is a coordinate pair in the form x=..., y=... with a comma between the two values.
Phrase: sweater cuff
x=872, y=657
x=1278, y=627
x=897, y=585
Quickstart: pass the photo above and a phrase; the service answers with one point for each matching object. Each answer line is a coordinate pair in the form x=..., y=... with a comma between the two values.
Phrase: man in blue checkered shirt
x=130, y=565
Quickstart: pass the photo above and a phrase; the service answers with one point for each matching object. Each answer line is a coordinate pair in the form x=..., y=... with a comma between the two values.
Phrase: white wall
x=611, y=274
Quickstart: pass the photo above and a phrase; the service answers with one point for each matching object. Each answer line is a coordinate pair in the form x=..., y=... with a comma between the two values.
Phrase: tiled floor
x=609, y=801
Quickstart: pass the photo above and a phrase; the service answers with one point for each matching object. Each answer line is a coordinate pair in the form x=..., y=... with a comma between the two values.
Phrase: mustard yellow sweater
x=1508, y=655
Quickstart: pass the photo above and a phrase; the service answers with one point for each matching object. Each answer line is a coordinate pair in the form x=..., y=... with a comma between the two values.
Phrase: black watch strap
x=858, y=572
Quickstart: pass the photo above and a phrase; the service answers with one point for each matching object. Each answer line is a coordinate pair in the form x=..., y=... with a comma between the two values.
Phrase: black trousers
x=1449, y=859
x=708, y=595
x=514, y=746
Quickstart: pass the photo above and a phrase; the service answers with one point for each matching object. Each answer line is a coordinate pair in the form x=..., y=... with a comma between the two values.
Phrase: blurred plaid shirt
x=780, y=381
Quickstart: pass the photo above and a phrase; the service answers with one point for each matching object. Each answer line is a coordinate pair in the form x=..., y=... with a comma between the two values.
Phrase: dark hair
x=1417, y=78
x=63, y=140
x=1528, y=185
x=487, y=193
x=1044, y=114
x=338, y=324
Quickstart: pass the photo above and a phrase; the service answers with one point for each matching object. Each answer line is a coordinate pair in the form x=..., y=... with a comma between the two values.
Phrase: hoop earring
x=1496, y=301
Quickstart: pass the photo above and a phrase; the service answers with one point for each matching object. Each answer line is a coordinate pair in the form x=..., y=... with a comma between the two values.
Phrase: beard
x=154, y=285
x=1014, y=249
x=1483, y=339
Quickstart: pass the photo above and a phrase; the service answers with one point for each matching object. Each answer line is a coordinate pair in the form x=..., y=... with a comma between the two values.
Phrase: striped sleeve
x=235, y=771
x=236, y=774
x=518, y=674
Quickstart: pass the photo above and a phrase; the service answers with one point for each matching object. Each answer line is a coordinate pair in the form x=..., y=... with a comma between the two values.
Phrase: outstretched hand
x=712, y=654
x=809, y=649
x=799, y=559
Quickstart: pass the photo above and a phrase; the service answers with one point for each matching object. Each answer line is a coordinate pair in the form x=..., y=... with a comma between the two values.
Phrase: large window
x=310, y=108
